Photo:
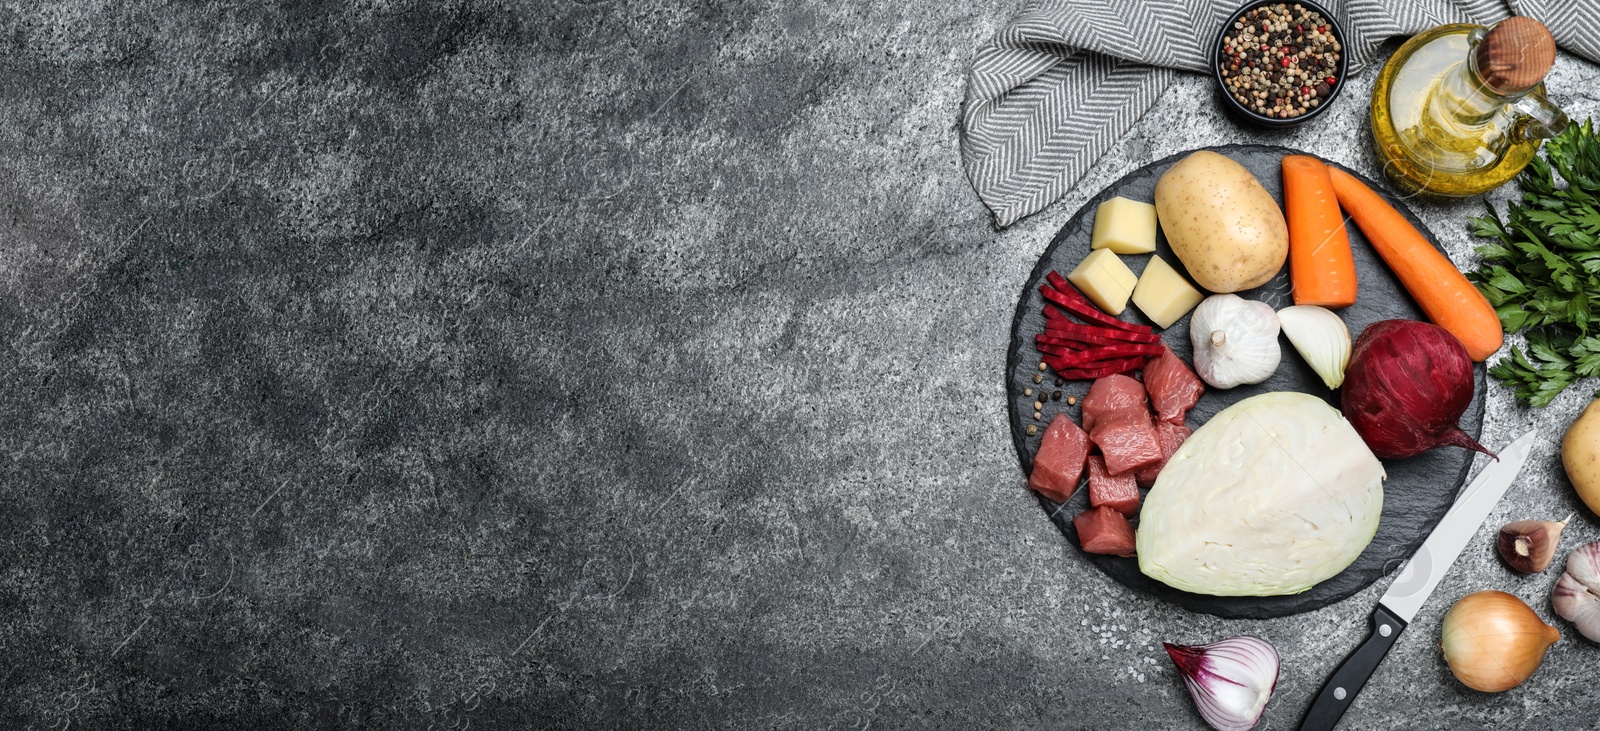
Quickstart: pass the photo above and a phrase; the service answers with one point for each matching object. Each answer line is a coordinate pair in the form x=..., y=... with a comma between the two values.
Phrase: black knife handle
x=1340, y=691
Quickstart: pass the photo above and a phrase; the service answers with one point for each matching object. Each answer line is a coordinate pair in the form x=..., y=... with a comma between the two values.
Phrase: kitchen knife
x=1416, y=581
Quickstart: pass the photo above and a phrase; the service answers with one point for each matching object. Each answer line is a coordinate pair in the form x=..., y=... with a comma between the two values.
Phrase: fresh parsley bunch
x=1542, y=269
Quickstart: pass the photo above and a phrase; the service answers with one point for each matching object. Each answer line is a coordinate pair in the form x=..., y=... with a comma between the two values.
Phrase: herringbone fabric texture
x=1574, y=23
x=1065, y=78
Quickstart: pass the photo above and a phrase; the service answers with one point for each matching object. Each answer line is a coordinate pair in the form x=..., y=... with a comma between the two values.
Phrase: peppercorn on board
x=1418, y=491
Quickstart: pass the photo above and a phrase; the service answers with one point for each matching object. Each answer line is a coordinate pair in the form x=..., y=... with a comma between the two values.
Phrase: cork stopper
x=1515, y=55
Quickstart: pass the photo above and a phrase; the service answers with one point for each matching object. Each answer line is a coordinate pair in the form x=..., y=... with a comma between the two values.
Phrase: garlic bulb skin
x=1235, y=340
x=1577, y=595
x=1528, y=545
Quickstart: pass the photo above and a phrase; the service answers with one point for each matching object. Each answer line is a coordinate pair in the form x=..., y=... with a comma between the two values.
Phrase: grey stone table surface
x=579, y=365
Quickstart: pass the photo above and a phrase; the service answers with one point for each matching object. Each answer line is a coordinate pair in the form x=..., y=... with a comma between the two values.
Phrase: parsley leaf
x=1541, y=267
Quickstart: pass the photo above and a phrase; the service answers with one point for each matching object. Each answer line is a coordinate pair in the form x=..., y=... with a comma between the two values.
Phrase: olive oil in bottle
x=1460, y=109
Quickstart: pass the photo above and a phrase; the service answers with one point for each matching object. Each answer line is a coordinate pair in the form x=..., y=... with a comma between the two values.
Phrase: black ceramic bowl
x=1239, y=111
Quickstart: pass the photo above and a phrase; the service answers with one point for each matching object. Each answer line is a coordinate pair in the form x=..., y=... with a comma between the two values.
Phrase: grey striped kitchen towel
x=1065, y=78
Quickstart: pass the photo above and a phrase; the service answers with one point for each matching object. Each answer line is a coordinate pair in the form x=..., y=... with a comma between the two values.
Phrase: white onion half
x=1320, y=337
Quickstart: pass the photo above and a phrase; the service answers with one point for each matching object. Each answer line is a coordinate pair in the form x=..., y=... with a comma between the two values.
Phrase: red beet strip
x=1052, y=337
x=1055, y=317
x=1049, y=338
x=1082, y=309
x=1090, y=338
x=1078, y=343
x=1070, y=363
x=1054, y=314
x=1061, y=292
x=1083, y=358
x=1097, y=370
x=1081, y=342
x=1090, y=374
x=1053, y=349
x=1069, y=329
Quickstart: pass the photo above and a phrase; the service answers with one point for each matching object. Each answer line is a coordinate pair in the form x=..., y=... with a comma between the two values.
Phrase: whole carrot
x=1449, y=300
x=1320, y=264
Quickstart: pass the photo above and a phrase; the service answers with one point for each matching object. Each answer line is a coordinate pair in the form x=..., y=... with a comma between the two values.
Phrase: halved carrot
x=1449, y=300
x=1320, y=264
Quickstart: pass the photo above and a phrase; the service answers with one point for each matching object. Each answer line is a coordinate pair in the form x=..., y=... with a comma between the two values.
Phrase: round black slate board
x=1418, y=490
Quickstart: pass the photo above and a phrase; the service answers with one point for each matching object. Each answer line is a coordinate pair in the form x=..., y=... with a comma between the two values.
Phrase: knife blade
x=1432, y=561
x=1417, y=580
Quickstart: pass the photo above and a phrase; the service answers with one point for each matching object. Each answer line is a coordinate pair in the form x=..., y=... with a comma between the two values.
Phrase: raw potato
x=1105, y=280
x=1580, y=454
x=1223, y=225
x=1124, y=226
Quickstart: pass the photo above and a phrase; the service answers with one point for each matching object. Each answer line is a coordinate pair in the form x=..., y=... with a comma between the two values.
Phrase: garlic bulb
x=1577, y=595
x=1235, y=340
x=1321, y=338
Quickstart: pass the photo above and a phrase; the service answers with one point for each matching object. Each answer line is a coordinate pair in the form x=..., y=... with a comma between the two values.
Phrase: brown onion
x=1406, y=387
x=1493, y=641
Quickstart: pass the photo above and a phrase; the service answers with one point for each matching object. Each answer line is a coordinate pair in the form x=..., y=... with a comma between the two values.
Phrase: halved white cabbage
x=1272, y=495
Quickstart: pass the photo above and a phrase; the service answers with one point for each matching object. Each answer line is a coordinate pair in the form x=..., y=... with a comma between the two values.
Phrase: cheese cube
x=1163, y=295
x=1124, y=226
x=1105, y=280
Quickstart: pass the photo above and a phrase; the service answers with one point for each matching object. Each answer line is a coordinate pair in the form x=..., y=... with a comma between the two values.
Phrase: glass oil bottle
x=1460, y=109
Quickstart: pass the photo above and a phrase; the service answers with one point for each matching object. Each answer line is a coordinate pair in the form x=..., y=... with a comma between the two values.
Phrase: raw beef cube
x=1111, y=393
x=1104, y=530
x=1127, y=438
x=1173, y=387
x=1059, y=463
x=1171, y=437
x=1120, y=493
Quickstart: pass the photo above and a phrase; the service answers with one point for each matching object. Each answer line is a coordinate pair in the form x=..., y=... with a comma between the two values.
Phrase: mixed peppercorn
x=1280, y=61
x=1043, y=396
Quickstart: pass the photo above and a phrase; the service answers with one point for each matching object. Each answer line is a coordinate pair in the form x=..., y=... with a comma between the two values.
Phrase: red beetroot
x=1059, y=463
x=1171, y=437
x=1406, y=387
x=1173, y=387
x=1127, y=439
x=1120, y=493
x=1112, y=393
x=1104, y=530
